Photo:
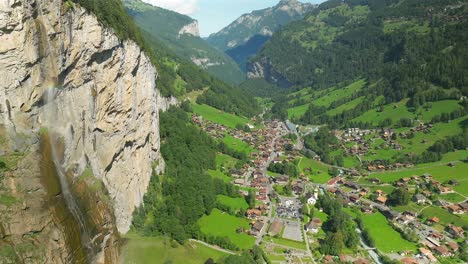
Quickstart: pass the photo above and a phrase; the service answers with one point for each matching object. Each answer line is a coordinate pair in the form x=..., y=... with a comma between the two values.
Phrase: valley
x=299, y=133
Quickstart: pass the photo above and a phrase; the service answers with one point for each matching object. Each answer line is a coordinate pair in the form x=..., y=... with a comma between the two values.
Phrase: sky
x=213, y=15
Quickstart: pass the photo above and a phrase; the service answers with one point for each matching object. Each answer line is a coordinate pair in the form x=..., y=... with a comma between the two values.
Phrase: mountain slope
x=409, y=45
x=245, y=36
x=180, y=33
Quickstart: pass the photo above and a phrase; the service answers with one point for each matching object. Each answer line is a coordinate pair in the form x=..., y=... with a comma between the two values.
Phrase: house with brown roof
x=453, y=246
x=257, y=226
x=381, y=199
x=455, y=209
x=443, y=251
x=433, y=220
x=455, y=231
x=409, y=261
x=361, y=261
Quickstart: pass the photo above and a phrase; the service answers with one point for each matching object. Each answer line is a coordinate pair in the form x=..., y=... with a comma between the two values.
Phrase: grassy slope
x=237, y=144
x=319, y=170
x=219, y=116
x=385, y=237
x=222, y=224
x=234, y=203
x=157, y=250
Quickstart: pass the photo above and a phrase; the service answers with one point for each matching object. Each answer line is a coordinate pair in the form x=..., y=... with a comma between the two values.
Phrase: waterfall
x=54, y=116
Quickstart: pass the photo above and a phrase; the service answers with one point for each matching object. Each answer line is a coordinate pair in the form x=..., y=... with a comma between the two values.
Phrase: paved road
x=214, y=247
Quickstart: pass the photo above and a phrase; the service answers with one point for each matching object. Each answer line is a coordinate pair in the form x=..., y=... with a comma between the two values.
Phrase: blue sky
x=213, y=15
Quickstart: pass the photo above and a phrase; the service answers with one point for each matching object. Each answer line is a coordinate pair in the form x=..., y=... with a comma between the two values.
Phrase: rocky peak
x=191, y=29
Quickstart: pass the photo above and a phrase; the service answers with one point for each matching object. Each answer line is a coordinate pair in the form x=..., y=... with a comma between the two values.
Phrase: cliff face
x=65, y=73
x=263, y=69
x=191, y=29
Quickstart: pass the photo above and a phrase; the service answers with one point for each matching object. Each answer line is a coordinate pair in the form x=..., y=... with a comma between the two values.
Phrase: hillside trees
x=175, y=201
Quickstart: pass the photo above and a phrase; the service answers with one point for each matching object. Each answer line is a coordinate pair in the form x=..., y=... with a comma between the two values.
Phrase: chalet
x=427, y=176
x=353, y=185
x=464, y=206
x=428, y=254
x=375, y=181
x=455, y=209
x=297, y=189
x=445, y=190
x=391, y=215
x=382, y=200
x=409, y=261
x=436, y=235
x=410, y=215
x=239, y=181
x=361, y=261
x=354, y=198
x=328, y=259
x=455, y=231
x=433, y=220
x=367, y=209
x=257, y=226
x=314, y=225
x=443, y=251
x=453, y=246
x=379, y=193
x=343, y=258
x=432, y=242
x=254, y=213
x=419, y=198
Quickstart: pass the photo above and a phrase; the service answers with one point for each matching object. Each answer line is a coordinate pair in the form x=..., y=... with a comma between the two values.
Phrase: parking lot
x=293, y=230
x=289, y=208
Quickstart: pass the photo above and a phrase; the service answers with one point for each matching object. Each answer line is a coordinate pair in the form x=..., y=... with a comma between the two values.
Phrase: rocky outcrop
x=263, y=69
x=260, y=22
x=191, y=29
x=62, y=70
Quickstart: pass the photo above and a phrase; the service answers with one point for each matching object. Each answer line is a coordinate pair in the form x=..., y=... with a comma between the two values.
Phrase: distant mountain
x=246, y=35
x=411, y=44
x=181, y=34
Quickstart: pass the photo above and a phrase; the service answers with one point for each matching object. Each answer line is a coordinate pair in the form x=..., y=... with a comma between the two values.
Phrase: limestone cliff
x=191, y=29
x=63, y=72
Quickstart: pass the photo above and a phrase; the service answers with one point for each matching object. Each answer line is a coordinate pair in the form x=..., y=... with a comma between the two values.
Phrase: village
x=278, y=217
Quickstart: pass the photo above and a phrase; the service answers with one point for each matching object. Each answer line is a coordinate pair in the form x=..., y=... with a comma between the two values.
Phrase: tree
x=400, y=196
x=251, y=199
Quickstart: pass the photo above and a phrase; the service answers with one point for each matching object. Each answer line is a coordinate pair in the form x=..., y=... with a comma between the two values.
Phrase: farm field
x=286, y=242
x=386, y=238
x=221, y=224
x=441, y=172
x=394, y=111
x=237, y=144
x=444, y=216
x=319, y=172
x=338, y=94
x=330, y=95
x=158, y=250
x=218, y=116
x=234, y=203
x=219, y=175
x=344, y=107
x=225, y=161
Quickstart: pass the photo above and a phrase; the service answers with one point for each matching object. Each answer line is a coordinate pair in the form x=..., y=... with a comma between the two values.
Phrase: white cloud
x=186, y=7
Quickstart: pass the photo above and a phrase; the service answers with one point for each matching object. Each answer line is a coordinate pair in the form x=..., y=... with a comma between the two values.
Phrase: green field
x=396, y=111
x=237, y=144
x=444, y=216
x=344, y=107
x=286, y=242
x=218, y=116
x=234, y=203
x=219, y=175
x=225, y=161
x=158, y=250
x=297, y=111
x=339, y=94
x=319, y=172
x=222, y=224
x=441, y=172
x=386, y=238
x=331, y=95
